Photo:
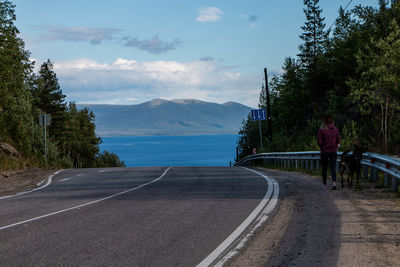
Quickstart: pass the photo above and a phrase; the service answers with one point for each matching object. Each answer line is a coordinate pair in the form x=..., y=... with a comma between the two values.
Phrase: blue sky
x=129, y=52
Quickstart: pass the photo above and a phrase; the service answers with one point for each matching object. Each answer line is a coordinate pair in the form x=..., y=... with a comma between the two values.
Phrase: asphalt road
x=127, y=216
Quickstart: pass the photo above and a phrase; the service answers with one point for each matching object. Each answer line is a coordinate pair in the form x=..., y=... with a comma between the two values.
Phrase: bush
x=108, y=159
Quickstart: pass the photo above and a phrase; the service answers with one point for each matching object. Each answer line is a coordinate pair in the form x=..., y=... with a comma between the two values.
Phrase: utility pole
x=259, y=127
x=268, y=106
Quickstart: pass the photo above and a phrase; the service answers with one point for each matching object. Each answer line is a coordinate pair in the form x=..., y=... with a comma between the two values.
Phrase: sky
x=133, y=51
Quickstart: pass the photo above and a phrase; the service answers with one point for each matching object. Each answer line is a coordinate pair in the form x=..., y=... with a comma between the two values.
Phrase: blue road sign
x=258, y=114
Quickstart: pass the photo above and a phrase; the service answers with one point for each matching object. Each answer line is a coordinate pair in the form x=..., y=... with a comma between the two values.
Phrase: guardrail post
x=307, y=164
x=376, y=175
x=297, y=164
x=387, y=180
x=318, y=164
x=312, y=165
x=372, y=174
x=365, y=170
x=394, y=183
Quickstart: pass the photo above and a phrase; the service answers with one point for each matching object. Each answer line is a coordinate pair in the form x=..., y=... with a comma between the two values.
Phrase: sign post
x=268, y=106
x=45, y=120
x=259, y=115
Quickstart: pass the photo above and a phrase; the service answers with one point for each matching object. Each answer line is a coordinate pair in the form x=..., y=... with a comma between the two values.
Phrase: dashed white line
x=85, y=204
x=259, y=214
x=66, y=179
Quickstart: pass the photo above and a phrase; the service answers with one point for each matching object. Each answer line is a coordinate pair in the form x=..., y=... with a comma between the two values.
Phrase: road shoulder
x=13, y=182
x=314, y=227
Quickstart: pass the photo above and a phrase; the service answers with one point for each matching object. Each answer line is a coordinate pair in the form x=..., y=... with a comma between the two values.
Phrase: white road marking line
x=49, y=180
x=66, y=179
x=41, y=182
x=102, y=171
x=260, y=220
x=259, y=214
x=81, y=174
x=86, y=204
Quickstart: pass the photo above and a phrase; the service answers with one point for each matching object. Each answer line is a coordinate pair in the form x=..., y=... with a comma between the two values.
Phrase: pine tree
x=313, y=35
x=48, y=94
x=262, y=100
x=48, y=98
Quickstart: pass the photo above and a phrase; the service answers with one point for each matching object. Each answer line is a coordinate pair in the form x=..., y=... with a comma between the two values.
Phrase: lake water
x=194, y=150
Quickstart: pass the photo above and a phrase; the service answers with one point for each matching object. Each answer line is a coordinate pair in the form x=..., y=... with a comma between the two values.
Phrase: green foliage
x=108, y=159
x=71, y=138
x=15, y=70
x=349, y=136
x=313, y=35
x=352, y=74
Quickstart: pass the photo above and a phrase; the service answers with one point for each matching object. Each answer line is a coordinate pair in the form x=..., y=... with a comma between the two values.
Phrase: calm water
x=197, y=150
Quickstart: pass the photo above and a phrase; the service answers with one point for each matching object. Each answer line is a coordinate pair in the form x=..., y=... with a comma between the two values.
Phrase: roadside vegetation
x=24, y=95
x=350, y=70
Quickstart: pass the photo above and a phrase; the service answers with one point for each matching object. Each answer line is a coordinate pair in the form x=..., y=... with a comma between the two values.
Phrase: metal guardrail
x=310, y=160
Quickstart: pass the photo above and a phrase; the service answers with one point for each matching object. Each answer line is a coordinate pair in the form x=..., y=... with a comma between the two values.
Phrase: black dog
x=350, y=164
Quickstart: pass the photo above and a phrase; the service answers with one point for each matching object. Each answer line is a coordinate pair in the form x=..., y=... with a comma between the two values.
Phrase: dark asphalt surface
x=176, y=221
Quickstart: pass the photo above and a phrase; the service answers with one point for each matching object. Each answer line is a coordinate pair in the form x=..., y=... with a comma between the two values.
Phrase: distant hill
x=163, y=117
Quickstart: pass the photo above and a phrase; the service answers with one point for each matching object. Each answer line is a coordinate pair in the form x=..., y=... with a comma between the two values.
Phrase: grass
x=8, y=163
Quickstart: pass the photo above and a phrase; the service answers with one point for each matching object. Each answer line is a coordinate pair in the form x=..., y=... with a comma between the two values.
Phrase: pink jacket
x=328, y=139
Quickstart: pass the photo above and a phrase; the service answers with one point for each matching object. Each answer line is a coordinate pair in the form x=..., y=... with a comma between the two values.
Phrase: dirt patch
x=314, y=227
x=12, y=182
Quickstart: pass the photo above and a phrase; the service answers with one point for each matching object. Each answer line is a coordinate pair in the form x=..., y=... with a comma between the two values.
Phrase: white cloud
x=209, y=14
x=127, y=81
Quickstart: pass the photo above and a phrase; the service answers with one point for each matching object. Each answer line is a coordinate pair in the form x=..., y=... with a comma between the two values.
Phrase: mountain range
x=168, y=117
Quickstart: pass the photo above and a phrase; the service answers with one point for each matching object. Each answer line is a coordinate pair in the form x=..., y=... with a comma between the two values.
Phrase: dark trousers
x=329, y=157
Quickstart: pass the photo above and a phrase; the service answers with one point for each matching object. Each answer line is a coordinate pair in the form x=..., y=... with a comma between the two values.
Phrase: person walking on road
x=328, y=141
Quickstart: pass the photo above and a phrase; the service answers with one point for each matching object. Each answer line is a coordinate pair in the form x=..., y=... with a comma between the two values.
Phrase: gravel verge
x=12, y=182
x=314, y=227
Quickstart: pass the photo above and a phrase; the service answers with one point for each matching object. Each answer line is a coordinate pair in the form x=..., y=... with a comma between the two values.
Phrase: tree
x=108, y=159
x=48, y=98
x=313, y=35
x=16, y=122
x=48, y=94
x=379, y=86
x=262, y=101
x=83, y=144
